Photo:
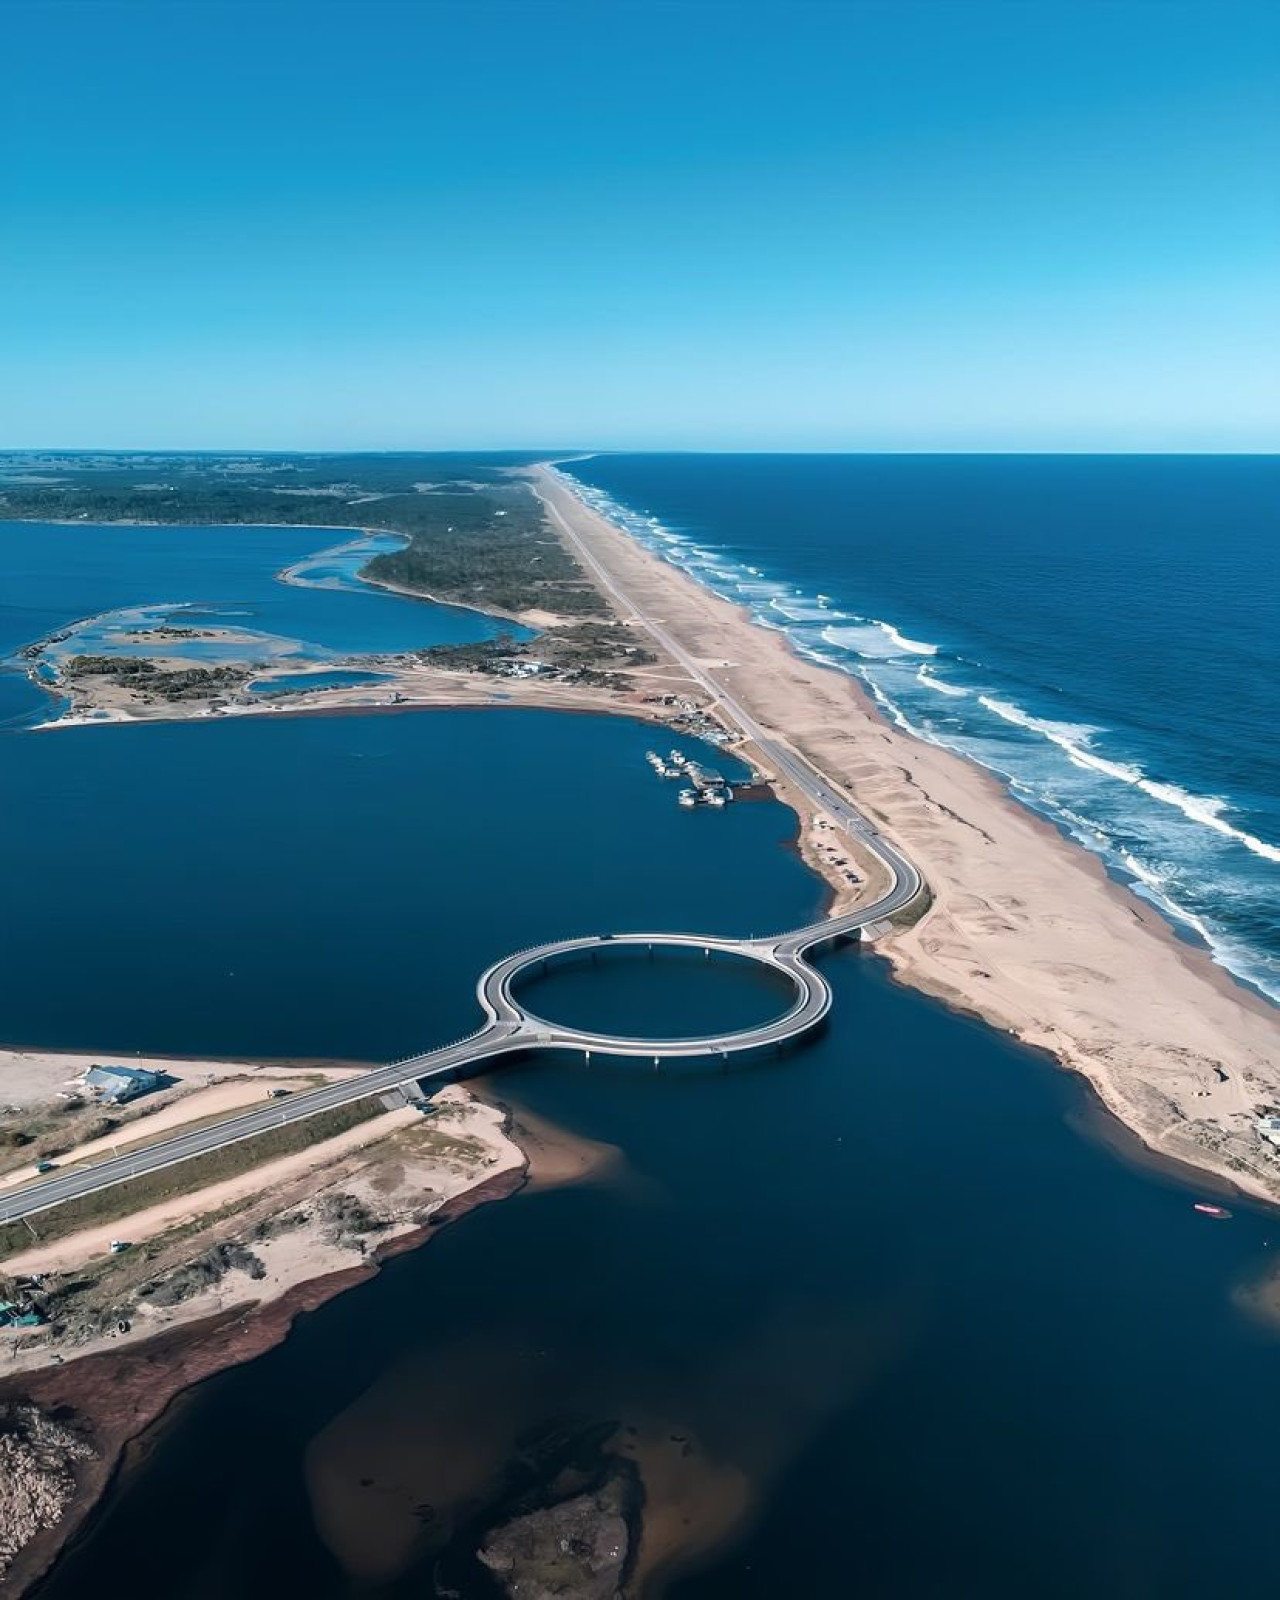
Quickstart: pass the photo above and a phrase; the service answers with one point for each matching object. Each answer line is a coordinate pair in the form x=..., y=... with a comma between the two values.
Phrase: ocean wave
x=763, y=589
x=1073, y=738
x=1157, y=886
x=800, y=610
x=879, y=641
x=925, y=677
x=915, y=647
x=894, y=711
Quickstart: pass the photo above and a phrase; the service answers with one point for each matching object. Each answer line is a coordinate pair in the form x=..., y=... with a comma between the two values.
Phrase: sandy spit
x=1025, y=929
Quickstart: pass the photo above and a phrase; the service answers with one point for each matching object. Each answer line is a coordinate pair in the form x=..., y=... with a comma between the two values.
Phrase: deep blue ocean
x=1101, y=631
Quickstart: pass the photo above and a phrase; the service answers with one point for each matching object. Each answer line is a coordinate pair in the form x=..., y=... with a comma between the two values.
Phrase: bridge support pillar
x=586, y=1056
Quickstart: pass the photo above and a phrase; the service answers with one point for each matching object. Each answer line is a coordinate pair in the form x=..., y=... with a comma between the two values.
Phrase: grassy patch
x=911, y=914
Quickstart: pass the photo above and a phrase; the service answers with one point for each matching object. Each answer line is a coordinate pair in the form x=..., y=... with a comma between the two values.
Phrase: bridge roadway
x=510, y=1027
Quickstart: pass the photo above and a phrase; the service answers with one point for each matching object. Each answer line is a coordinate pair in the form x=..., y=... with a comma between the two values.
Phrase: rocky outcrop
x=37, y=1475
x=576, y=1550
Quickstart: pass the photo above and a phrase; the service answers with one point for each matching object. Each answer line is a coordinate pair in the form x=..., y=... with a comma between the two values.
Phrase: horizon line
x=541, y=454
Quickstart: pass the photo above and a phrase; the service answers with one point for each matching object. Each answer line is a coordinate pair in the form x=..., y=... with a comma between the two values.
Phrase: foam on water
x=801, y=610
x=1075, y=740
x=927, y=678
x=1173, y=845
x=876, y=640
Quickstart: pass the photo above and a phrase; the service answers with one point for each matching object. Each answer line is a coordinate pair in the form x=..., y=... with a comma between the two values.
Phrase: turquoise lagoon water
x=107, y=581
x=903, y=1325
x=307, y=682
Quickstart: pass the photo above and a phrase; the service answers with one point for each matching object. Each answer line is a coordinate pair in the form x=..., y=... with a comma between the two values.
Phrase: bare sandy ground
x=80, y=1248
x=1026, y=929
x=355, y=1162
x=217, y=1100
x=417, y=685
x=29, y=1077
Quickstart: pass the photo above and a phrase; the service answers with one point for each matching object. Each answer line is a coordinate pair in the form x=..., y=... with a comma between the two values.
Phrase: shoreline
x=135, y=1390
x=109, y=1390
x=1026, y=930
x=412, y=682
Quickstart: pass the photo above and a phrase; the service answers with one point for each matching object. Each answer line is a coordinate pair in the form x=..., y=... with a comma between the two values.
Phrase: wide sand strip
x=1026, y=928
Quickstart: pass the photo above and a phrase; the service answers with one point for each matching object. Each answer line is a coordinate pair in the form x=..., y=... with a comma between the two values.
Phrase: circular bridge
x=510, y=1027
x=810, y=1004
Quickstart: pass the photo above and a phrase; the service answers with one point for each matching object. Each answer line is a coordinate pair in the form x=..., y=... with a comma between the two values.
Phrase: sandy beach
x=1025, y=928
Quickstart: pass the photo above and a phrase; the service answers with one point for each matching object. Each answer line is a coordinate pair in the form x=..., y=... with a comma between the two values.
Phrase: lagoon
x=882, y=1283
x=286, y=683
x=107, y=581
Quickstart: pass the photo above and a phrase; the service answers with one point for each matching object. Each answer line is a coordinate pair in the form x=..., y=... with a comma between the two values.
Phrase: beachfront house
x=115, y=1085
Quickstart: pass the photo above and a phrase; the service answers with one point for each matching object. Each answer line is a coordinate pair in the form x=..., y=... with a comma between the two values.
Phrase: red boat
x=1206, y=1210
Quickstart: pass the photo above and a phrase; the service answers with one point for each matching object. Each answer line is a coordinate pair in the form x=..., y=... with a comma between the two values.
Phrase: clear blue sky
x=913, y=225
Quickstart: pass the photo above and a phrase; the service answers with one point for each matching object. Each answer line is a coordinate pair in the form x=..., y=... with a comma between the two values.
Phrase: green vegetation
x=208, y=1269
x=590, y=643
x=185, y=1177
x=476, y=533
x=485, y=655
x=490, y=549
x=109, y=667
x=347, y=1219
x=910, y=914
x=572, y=654
x=186, y=683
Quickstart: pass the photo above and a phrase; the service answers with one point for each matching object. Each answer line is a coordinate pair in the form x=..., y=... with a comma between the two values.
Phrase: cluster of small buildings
x=691, y=718
x=522, y=667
